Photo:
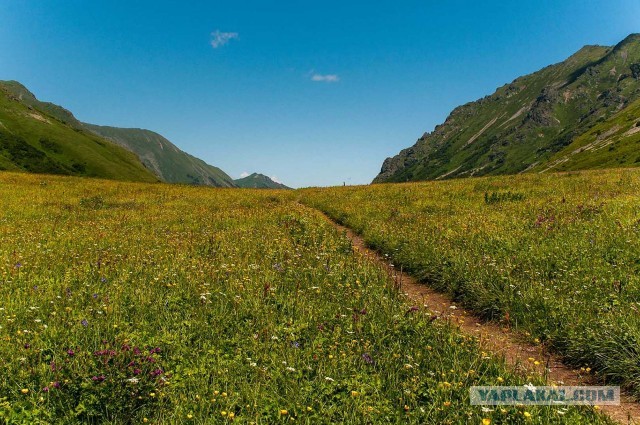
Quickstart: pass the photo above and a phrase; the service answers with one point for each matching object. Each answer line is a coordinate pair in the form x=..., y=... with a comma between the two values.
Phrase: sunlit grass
x=556, y=256
x=134, y=303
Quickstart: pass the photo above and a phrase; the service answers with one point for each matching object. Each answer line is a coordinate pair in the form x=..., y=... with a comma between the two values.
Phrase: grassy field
x=150, y=303
x=555, y=256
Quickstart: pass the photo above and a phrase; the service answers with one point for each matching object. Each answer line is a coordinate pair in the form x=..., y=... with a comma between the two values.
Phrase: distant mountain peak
x=633, y=37
x=259, y=181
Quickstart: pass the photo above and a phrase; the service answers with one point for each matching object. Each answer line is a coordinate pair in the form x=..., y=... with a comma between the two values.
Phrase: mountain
x=580, y=113
x=36, y=140
x=259, y=181
x=161, y=157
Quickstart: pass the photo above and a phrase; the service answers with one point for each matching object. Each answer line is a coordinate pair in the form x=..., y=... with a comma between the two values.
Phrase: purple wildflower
x=84, y=323
x=368, y=359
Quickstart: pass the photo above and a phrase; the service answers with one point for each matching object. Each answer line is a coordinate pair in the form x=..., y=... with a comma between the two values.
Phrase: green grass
x=553, y=256
x=123, y=302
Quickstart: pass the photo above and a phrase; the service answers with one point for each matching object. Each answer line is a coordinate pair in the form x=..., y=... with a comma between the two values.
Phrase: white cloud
x=219, y=39
x=275, y=179
x=328, y=78
x=244, y=174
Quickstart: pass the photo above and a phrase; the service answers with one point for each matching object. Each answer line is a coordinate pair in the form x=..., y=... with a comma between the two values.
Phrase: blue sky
x=313, y=92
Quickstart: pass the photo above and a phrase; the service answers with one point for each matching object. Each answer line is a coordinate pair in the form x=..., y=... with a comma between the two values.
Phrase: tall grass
x=133, y=303
x=556, y=256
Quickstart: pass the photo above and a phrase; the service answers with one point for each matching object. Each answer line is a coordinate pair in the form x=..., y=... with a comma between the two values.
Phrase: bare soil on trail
x=525, y=358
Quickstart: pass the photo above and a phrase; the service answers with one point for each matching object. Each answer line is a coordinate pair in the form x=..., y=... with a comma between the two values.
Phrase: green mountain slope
x=23, y=94
x=165, y=159
x=611, y=144
x=36, y=141
x=259, y=181
x=539, y=122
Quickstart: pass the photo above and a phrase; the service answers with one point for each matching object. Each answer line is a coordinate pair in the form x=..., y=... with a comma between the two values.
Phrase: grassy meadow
x=152, y=303
x=555, y=256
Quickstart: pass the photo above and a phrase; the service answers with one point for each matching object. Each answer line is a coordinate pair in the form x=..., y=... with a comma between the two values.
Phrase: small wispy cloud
x=219, y=38
x=244, y=174
x=327, y=78
x=276, y=179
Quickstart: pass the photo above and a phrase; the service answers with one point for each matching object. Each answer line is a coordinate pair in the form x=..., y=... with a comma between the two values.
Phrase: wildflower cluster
x=170, y=304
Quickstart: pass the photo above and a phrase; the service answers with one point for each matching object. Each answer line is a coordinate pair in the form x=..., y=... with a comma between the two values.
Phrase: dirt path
x=493, y=338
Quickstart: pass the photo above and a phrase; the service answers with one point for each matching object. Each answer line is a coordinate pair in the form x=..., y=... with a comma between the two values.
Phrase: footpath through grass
x=134, y=303
x=556, y=256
